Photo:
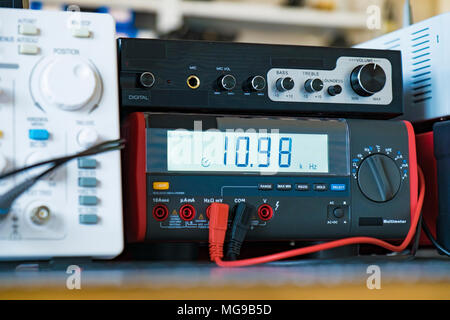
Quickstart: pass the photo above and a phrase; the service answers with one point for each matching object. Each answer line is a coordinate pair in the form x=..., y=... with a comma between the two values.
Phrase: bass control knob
x=379, y=178
x=368, y=79
x=227, y=82
x=285, y=84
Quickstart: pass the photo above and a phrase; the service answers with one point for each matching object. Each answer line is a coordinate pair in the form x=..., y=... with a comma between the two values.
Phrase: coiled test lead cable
x=7, y=199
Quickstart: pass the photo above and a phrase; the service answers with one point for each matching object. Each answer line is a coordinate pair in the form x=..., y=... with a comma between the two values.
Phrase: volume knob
x=379, y=178
x=368, y=79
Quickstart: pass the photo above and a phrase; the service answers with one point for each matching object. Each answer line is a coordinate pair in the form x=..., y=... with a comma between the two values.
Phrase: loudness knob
x=368, y=79
x=379, y=178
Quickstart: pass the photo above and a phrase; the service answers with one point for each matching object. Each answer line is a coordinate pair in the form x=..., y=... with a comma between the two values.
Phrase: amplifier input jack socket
x=193, y=82
x=265, y=212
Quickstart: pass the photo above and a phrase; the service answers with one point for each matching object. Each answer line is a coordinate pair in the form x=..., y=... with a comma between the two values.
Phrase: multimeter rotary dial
x=378, y=174
x=379, y=178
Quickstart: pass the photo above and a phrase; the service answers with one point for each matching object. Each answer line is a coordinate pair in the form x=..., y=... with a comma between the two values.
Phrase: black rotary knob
x=285, y=84
x=379, y=178
x=334, y=90
x=313, y=85
x=227, y=82
x=256, y=83
x=368, y=79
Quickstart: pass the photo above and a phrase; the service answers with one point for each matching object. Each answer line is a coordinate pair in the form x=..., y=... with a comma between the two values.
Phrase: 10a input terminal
x=265, y=212
x=187, y=212
x=160, y=212
x=193, y=82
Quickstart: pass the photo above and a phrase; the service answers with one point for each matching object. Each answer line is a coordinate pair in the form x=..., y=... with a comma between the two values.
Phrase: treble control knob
x=285, y=84
x=379, y=178
x=227, y=82
x=313, y=85
x=368, y=79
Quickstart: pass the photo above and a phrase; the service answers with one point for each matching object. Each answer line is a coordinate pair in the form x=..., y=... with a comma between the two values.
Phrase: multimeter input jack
x=193, y=82
x=265, y=212
x=160, y=212
x=187, y=212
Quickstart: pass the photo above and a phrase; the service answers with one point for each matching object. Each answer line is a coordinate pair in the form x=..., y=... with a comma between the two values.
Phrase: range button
x=265, y=186
x=284, y=186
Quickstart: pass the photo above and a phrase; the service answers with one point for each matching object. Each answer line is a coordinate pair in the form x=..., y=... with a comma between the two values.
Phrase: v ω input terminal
x=193, y=81
x=265, y=212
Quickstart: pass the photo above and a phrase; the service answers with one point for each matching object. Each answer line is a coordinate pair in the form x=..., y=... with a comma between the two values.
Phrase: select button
x=337, y=187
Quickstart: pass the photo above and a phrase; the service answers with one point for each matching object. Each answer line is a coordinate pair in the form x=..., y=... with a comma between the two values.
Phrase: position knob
x=313, y=85
x=285, y=84
x=256, y=83
x=379, y=178
x=368, y=79
x=66, y=82
x=227, y=82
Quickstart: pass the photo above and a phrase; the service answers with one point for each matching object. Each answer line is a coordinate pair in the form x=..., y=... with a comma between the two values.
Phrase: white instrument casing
x=58, y=96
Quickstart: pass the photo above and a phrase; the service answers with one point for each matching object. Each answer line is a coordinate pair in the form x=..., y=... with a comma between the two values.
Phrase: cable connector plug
x=239, y=228
x=218, y=223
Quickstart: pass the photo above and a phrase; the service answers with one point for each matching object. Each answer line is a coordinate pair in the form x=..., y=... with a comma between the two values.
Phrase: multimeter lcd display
x=258, y=151
x=237, y=145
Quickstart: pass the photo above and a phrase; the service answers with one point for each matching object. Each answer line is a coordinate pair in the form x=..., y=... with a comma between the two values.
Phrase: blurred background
x=308, y=22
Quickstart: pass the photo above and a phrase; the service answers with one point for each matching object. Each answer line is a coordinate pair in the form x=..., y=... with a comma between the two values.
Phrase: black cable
x=440, y=248
x=7, y=199
x=415, y=245
x=99, y=148
x=239, y=228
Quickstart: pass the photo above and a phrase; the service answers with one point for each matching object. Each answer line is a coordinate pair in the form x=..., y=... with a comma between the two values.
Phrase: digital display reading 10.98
x=246, y=152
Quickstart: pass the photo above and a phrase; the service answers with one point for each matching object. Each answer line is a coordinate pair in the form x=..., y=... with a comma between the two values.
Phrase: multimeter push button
x=160, y=185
